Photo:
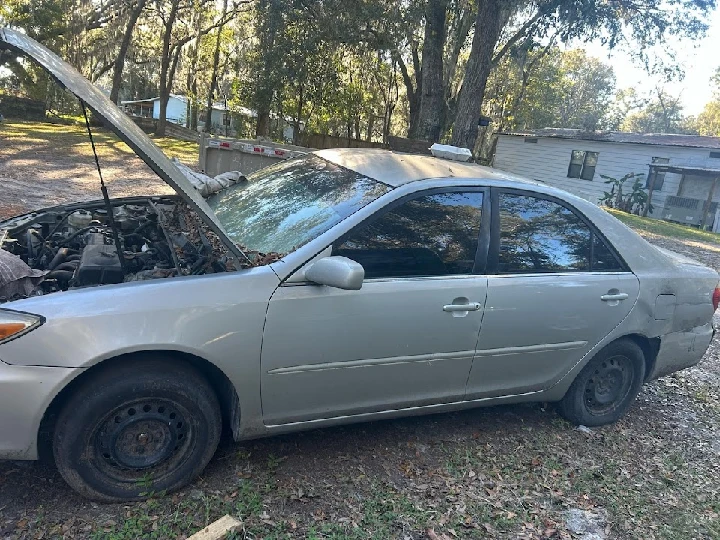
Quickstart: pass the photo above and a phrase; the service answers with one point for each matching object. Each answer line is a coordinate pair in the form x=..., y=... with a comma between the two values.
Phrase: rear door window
x=539, y=235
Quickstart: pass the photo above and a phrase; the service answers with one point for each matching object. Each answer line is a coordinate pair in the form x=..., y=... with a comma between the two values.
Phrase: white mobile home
x=238, y=121
x=150, y=108
x=177, y=109
x=682, y=172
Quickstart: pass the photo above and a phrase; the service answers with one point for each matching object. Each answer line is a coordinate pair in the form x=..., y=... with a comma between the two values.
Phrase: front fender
x=217, y=317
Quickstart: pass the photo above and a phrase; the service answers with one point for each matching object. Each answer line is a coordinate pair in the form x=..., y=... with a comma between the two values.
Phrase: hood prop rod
x=103, y=189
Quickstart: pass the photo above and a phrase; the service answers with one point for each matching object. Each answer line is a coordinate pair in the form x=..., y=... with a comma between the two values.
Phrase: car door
x=406, y=338
x=555, y=289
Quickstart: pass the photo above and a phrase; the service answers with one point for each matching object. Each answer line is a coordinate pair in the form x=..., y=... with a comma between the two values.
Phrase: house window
x=659, y=176
x=715, y=154
x=582, y=164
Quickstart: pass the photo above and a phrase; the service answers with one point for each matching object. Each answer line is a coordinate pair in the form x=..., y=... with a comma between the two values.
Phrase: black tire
x=137, y=429
x=603, y=391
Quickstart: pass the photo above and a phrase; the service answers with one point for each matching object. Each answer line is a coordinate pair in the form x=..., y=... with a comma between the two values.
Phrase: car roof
x=396, y=168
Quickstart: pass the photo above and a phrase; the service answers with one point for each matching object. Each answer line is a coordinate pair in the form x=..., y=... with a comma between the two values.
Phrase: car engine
x=73, y=246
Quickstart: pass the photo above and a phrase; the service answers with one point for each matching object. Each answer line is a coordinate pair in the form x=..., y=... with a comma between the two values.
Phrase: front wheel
x=605, y=388
x=136, y=429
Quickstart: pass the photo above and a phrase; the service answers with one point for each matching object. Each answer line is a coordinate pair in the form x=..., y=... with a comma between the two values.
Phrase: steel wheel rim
x=142, y=439
x=608, y=385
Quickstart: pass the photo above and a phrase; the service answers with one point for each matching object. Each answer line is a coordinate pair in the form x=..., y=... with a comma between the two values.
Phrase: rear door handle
x=472, y=306
x=614, y=297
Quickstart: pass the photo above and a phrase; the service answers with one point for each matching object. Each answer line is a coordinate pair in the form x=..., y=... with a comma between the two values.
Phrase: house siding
x=176, y=110
x=547, y=161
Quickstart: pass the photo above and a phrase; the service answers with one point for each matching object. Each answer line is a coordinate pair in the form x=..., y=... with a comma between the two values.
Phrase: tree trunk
x=412, y=89
x=262, y=128
x=298, y=115
x=194, y=109
x=165, y=62
x=122, y=53
x=214, y=77
x=487, y=31
x=193, y=103
x=432, y=98
x=456, y=41
x=387, y=122
x=271, y=23
x=651, y=188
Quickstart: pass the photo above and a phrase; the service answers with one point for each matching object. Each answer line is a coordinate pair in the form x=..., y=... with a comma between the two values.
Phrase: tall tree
x=491, y=16
x=178, y=31
x=638, y=25
x=214, y=76
x=166, y=59
x=662, y=113
x=268, y=60
x=708, y=121
x=119, y=63
x=432, y=102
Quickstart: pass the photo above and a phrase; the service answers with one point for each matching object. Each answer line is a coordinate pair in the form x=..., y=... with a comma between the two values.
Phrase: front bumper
x=25, y=394
x=680, y=350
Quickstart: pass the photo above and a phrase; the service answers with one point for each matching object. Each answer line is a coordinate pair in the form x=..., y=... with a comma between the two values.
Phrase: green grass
x=185, y=151
x=74, y=135
x=665, y=228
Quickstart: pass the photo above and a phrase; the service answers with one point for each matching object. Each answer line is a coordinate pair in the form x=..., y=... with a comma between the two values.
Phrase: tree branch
x=404, y=72
x=521, y=33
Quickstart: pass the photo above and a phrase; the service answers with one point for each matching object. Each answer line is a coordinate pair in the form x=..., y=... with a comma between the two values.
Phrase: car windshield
x=286, y=205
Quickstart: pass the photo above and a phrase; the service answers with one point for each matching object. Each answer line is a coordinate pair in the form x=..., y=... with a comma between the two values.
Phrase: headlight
x=14, y=324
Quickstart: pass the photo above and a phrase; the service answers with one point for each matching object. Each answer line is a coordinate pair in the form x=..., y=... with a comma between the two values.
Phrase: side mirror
x=339, y=272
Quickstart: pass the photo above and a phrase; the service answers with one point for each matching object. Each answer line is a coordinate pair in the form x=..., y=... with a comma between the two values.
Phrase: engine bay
x=73, y=246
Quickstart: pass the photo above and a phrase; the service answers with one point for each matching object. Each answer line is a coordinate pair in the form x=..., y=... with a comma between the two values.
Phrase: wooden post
x=651, y=187
x=706, y=208
x=680, y=186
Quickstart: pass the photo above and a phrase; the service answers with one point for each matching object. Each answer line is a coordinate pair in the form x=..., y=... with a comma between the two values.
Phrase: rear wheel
x=137, y=429
x=606, y=387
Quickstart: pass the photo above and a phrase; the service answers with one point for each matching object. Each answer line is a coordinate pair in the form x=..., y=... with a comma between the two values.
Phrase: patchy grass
x=665, y=228
x=73, y=135
x=185, y=151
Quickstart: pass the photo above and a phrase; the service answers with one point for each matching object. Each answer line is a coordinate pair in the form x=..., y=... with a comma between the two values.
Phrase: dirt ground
x=46, y=164
x=501, y=472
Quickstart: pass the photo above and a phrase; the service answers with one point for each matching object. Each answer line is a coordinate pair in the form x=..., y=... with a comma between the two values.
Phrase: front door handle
x=471, y=306
x=614, y=297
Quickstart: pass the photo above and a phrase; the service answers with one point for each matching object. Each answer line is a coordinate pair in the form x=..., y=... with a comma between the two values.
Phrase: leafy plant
x=633, y=201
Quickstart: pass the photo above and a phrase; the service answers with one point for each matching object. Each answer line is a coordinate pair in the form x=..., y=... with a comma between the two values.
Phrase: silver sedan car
x=342, y=286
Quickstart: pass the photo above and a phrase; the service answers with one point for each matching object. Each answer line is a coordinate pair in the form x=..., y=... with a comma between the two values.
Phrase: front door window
x=432, y=235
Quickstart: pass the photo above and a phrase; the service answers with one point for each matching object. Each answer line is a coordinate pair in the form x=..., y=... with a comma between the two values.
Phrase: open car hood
x=116, y=120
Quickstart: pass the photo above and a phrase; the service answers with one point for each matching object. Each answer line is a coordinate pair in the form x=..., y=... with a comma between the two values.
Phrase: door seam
x=262, y=347
x=477, y=338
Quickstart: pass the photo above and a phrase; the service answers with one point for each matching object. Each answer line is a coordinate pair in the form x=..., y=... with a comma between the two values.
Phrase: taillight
x=716, y=297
